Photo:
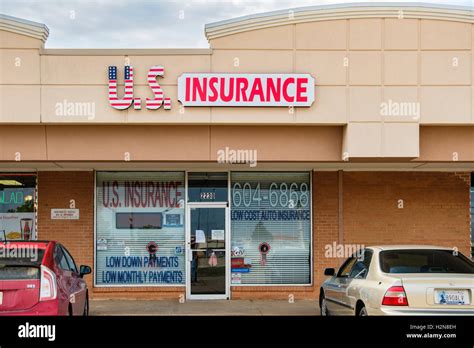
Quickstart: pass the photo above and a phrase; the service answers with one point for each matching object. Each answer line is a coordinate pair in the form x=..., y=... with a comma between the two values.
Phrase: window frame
x=311, y=246
x=34, y=234
x=471, y=208
x=58, y=250
x=364, y=253
x=381, y=266
x=345, y=264
x=184, y=197
x=66, y=253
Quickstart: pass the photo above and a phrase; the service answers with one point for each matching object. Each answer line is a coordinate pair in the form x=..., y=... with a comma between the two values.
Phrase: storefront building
x=243, y=170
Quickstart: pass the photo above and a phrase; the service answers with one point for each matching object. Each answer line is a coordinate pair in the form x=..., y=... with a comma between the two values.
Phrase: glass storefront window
x=140, y=228
x=271, y=228
x=17, y=206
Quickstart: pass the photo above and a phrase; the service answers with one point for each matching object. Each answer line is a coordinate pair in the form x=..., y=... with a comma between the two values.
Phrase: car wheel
x=86, y=306
x=324, y=307
x=362, y=312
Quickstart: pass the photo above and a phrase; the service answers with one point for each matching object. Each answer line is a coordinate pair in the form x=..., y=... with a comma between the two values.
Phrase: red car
x=41, y=278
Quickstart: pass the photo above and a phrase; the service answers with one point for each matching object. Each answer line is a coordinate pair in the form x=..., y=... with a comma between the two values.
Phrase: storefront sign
x=128, y=99
x=141, y=194
x=12, y=197
x=246, y=89
x=64, y=214
x=142, y=270
x=206, y=89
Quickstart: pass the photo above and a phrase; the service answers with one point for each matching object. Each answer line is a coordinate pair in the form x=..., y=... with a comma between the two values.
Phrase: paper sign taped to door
x=200, y=236
x=217, y=234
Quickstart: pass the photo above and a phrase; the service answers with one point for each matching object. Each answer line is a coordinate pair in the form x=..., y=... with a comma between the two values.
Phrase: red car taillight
x=395, y=296
x=48, y=289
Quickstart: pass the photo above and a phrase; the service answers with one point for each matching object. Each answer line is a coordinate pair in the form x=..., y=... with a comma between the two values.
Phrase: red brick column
x=55, y=190
x=325, y=224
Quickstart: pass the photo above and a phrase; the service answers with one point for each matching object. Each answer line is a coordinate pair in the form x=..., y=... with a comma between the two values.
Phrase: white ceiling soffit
x=339, y=11
x=24, y=27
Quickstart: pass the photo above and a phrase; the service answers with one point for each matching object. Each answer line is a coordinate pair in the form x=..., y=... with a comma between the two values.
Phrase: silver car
x=400, y=280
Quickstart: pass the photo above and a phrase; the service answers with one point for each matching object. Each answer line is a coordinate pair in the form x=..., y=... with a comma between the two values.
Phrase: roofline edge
x=24, y=27
x=336, y=12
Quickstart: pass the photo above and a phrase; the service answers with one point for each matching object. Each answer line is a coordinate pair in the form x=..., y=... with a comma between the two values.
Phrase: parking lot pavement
x=199, y=307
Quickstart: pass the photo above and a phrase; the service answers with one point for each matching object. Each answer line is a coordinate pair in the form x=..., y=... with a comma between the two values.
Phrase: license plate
x=1, y=298
x=452, y=297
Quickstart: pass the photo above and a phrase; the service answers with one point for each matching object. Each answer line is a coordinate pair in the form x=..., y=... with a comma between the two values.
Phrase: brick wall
x=435, y=208
x=435, y=211
x=55, y=190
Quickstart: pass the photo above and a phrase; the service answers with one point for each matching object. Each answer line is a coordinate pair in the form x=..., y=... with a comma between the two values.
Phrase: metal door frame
x=188, y=253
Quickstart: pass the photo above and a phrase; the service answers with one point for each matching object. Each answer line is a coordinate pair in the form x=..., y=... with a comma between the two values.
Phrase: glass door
x=207, y=257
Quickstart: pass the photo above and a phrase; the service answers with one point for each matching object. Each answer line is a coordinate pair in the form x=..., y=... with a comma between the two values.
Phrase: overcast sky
x=145, y=23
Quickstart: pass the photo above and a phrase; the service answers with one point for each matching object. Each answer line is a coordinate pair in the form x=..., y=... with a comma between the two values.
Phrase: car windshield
x=425, y=261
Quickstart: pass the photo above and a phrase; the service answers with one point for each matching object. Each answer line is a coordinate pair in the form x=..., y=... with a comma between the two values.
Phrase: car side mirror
x=83, y=270
x=329, y=272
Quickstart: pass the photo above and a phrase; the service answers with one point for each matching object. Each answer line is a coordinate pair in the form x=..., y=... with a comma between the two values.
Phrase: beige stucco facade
x=382, y=75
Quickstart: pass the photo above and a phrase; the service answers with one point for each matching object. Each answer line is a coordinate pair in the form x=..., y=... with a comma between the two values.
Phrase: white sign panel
x=200, y=236
x=217, y=234
x=195, y=89
x=64, y=214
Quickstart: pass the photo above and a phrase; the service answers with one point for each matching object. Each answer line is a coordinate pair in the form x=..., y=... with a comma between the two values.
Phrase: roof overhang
x=339, y=11
x=24, y=27
x=374, y=166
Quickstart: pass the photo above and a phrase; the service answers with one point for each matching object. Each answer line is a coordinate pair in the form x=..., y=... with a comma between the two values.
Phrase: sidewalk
x=216, y=307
